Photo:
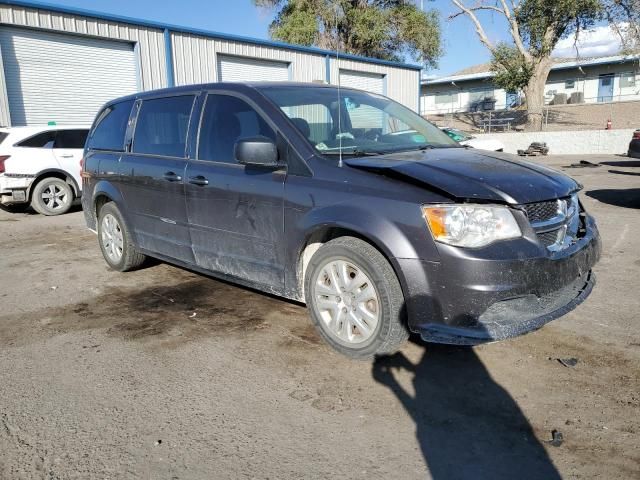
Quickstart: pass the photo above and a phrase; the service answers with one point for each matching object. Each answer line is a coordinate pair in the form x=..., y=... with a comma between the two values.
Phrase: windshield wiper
x=355, y=153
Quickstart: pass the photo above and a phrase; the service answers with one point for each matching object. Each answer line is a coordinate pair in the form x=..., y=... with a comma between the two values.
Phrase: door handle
x=199, y=180
x=172, y=177
x=66, y=156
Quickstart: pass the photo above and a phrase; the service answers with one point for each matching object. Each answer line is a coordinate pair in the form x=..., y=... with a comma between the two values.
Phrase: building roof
x=204, y=33
x=482, y=71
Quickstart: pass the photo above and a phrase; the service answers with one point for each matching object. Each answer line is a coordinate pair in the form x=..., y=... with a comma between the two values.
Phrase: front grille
x=549, y=238
x=541, y=211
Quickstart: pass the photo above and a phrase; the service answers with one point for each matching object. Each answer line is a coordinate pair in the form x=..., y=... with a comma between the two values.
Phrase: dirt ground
x=167, y=374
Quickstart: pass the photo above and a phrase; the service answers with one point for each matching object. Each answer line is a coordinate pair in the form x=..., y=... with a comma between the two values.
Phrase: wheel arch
x=54, y=173
x=389, y=245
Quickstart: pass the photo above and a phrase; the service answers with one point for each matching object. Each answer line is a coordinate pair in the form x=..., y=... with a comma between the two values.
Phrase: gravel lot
x=167, y=374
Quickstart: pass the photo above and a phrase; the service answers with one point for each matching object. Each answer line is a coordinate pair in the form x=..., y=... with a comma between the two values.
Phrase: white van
x=41, y=166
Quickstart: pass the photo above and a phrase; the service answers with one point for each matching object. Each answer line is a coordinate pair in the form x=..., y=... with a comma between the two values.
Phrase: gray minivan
x=344, y=200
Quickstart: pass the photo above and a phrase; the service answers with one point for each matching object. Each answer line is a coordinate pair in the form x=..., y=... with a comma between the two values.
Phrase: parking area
x=164, y=373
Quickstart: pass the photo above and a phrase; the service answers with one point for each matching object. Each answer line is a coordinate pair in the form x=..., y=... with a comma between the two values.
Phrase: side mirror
x=257, y=151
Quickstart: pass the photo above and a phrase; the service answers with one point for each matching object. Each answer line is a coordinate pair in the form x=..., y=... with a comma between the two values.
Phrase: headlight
x=470, y=225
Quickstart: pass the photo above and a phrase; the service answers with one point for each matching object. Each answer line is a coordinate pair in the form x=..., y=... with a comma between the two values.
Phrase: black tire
x=52, y=196
x=391, y=330
x=130, y=259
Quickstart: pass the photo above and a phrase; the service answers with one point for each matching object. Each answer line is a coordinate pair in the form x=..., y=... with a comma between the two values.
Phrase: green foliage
x=386, y=29
x=544, y=22
x=511, y=69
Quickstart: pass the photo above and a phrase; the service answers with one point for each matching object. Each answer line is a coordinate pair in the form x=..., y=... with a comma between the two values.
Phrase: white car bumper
x=13, y=188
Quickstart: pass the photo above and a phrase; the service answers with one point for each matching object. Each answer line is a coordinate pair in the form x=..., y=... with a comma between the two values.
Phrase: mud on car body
x=345, y=200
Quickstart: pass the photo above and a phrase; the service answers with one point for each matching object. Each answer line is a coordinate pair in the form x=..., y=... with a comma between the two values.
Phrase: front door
x=153, y=175
x=235, y=212
x=605, y=88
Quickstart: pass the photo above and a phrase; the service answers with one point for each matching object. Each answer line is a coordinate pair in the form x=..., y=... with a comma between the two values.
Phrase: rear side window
x=226, y=120
x=71, y=138
x=162, y=124
x=3, y=135
x=41, y=140
x=110, y=127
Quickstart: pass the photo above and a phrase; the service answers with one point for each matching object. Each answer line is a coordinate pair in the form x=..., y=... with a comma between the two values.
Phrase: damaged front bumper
x=14, y=188
x=471, y=300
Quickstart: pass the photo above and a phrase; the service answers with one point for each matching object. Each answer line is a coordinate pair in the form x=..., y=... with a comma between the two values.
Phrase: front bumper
x=14, y=188
x=469, y=299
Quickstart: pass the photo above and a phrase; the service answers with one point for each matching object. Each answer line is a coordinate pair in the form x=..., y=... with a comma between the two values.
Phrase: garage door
x=63, y=78
x=240, y=69
x=370, y=82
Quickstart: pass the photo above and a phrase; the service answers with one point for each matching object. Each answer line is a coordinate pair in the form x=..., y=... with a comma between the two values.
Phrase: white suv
x=41, y=166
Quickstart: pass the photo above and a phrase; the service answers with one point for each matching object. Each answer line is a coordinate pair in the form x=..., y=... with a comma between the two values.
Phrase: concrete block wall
x=569, y=142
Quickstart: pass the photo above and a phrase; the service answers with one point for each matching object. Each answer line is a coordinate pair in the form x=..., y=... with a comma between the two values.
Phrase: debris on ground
x=534, y=149
x=556, y=438
x=568, y=362
x=583, y=164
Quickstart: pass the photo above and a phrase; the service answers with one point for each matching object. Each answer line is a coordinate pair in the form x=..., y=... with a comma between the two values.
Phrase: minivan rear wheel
x=115, y=240
x=52, y=196
x=354, y=299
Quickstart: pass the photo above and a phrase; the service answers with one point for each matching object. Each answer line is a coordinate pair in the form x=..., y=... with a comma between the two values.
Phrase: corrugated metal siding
x=68, y=87
x=151, y=41
x=5, y=117
x=195, y=59
x=402, y=84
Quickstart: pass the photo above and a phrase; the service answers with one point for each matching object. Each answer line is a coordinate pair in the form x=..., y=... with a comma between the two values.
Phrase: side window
x=161, y=128
x=44, y=139
x=225, y=120
x=71, y=138
x=110, y=127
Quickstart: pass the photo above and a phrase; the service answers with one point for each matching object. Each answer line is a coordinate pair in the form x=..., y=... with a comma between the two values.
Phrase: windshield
x=360, y=124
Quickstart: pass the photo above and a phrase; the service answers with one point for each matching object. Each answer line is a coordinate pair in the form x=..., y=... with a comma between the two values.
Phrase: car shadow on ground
x=467, y=425
x=26, y=209
x=626, y=198
x=627, y=163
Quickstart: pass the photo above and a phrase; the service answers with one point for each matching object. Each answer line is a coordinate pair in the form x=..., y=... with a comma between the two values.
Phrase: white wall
x=565, y=143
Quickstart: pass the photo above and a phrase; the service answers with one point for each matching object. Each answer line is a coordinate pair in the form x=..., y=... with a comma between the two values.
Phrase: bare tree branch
x=479, y=29
x=514, y=29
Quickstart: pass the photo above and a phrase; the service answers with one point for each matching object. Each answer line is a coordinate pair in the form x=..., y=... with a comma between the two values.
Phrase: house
x=571, y=81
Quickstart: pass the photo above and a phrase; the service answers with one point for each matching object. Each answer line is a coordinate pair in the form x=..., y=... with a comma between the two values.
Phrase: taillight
x=636, y=135
x=3, y=158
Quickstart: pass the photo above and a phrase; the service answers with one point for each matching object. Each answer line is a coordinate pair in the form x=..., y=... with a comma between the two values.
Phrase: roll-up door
x=61, y=77
x=370, y=82
x=242, y=69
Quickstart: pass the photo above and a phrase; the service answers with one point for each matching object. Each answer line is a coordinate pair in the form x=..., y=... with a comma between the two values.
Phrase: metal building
x=61, y=64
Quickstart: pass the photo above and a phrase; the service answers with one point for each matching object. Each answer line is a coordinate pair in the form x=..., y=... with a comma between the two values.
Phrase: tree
x=386, y=29
x=535, y=27
x=624, y=18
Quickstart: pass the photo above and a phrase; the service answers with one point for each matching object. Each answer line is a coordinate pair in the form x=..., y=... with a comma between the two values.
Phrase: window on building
x=44, y=139
x=226, y=120
x=569, y=84
x=71, y=139
x=161, y=127
x=446, y=98
x=110, y=127
x=627, y=79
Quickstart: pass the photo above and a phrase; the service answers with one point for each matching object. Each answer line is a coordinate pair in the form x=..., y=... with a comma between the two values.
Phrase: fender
x=383, y=234
x=107, y=189
x=76, y=188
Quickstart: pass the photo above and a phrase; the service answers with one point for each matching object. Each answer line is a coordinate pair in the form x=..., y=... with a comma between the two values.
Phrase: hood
x=472, y=175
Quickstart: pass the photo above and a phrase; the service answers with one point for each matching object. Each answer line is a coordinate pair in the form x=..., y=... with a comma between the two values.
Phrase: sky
x=460, y=42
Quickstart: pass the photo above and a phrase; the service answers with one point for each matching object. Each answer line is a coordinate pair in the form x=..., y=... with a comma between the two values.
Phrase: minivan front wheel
x=115, y=241
x=354, y=299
